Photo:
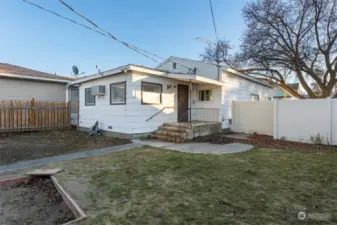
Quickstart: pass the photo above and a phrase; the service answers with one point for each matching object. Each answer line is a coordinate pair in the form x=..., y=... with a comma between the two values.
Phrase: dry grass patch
x=153, y=186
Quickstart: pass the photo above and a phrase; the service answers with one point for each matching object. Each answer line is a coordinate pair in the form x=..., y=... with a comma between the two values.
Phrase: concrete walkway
x=59, y=158
x=199, y=148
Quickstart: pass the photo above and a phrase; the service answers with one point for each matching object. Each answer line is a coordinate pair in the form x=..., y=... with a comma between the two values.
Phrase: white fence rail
x=295, y=120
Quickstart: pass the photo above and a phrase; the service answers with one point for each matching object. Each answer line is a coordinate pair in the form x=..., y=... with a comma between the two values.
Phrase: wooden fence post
x=11, y=115
x=32, y=113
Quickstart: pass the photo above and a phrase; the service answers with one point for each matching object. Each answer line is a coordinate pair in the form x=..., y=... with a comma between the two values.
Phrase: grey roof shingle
x=9, y=69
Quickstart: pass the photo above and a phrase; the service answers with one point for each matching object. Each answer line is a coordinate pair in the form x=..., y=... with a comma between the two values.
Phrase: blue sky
x=35, y=39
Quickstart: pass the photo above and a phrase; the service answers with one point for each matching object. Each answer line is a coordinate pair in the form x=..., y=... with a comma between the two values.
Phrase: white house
x=235, y=86
x=133, y=99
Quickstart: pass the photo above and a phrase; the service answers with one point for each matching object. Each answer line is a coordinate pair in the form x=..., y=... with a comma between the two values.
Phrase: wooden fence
x=16, y=116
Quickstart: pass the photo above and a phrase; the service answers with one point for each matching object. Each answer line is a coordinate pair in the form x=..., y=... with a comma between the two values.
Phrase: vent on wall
x=98, y=90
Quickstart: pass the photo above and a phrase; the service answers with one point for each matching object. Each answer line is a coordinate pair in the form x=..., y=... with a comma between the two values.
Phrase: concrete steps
x=172, y=132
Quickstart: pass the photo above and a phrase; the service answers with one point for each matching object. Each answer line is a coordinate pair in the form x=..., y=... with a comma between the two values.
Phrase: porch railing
x=200, y=115
x=154, y=115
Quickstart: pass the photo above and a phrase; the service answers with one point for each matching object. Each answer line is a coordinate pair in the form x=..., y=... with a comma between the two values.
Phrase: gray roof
x=9, y=69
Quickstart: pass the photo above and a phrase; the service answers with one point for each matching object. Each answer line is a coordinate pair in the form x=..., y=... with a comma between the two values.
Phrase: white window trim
x=198, y=90
x=85, y=99
x=118, y=103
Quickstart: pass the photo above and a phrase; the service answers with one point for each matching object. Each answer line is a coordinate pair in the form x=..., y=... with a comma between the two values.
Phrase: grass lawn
x=153, y=186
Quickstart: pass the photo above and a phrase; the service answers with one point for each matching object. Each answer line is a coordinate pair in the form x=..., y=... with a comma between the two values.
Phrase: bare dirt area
x=35, y=145
x=35, y=202
x=264, y=141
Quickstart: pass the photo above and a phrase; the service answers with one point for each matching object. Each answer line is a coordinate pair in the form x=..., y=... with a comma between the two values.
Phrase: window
x=267, y=98
x=254, y=97
x=118, y=93
x=205, y=95
x=89, y=98
x=151, y=93
x=174, y=65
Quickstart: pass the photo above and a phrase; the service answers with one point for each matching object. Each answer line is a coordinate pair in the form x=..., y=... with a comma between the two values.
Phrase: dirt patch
x=35, y=145
x=34, y=202
x=264, y=141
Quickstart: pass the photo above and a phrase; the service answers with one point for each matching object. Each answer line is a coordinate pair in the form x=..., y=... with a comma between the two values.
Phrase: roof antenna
x=99, y=70
x=76, y=71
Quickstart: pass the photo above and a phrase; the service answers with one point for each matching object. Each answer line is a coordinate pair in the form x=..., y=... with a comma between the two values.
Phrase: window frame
x=256, y=95
x=204, y=90
x=85, y=98
x=118, y=103
x=142, y=89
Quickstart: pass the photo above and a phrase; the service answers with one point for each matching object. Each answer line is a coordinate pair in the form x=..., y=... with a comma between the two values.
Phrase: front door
x=182, y=103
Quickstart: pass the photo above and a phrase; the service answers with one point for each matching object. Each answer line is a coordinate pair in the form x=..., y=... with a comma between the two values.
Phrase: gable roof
x=224, y=69
x=142, y=69
x=13, y=71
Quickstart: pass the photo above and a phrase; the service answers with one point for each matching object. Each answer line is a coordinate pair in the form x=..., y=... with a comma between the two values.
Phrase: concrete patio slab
x=199, y=148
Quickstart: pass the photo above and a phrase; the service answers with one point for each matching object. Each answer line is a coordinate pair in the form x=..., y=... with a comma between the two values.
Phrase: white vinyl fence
x=295, y=120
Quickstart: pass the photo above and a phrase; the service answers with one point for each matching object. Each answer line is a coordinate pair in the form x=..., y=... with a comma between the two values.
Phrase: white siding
x=239, y=89
x=203, y=69
x=19, y=89
x=131, y=117
x=235, y=87
x=214, y=104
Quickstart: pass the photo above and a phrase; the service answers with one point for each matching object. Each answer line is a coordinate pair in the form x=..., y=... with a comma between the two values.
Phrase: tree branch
x=286, y=88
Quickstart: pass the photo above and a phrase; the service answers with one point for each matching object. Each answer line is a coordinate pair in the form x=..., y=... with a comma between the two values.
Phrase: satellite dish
x=76, y=71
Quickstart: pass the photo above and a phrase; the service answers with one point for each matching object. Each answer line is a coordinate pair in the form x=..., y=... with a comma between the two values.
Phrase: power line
x=102, y=32
x=112, y=36
x=216, y=33
x=96, y=31
x=107, y=32
x=65, y=18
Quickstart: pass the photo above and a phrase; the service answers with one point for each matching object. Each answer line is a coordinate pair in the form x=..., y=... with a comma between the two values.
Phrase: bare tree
x=289, y=37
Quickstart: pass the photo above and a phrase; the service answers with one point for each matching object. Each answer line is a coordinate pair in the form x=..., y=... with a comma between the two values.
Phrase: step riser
x=172, y=132
x=177, y=126
x=173, y=129
x=166, y=138
x=169, y=133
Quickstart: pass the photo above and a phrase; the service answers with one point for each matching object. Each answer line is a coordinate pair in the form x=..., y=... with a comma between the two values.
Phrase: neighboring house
x=279, y=93
x=19, y=83
x=134, y=99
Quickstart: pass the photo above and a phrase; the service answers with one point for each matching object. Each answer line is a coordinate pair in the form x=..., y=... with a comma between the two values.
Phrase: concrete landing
x=199, y=148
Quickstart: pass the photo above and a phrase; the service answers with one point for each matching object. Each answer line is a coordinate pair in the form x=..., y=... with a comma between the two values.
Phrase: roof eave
x=17, y=76
x=247, y=77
